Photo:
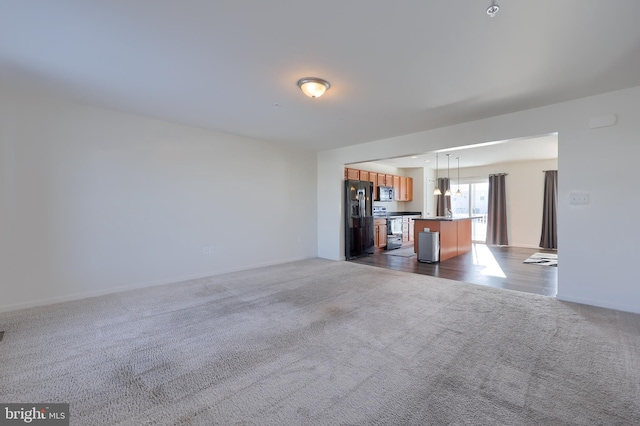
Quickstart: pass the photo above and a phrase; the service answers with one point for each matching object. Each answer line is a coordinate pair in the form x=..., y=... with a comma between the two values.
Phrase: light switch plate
x=579, y=198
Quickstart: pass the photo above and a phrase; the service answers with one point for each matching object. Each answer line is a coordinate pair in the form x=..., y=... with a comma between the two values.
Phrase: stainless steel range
x=379, y=211
x=394, y=227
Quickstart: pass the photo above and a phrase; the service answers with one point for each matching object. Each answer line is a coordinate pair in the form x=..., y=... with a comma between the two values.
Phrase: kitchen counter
x=455, y=234
x=441, y=218
x=398, y=214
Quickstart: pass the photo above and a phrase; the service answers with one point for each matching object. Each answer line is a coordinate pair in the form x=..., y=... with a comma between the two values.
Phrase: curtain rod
x=549, y=171
x=498, y=174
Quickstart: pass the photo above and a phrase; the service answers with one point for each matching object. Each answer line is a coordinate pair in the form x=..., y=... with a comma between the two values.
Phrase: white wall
x=525, y=196
x=598, y=242
x=418, y=202
x=93, y=201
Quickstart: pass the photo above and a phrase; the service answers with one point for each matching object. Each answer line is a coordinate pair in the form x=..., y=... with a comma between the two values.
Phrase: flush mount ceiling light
x=493, y=10
x=313, y=87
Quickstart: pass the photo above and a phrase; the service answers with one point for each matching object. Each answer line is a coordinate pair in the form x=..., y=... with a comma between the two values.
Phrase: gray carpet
x=319, y=342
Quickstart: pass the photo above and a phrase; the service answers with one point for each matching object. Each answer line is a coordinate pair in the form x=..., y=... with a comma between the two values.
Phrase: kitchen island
x=455, y=234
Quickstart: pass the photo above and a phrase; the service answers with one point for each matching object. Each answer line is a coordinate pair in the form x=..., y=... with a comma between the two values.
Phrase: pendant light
x=448, y=191
x=437, y=190
x=458, y=193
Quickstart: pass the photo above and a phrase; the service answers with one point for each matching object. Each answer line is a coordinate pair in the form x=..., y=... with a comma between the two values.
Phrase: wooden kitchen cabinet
x=373, y=178
x=403, y=188
x=455, y=235
x=388, y=180
x=406, y=188
x=380, y=232
x=402, y=185
x=396, y=188
x=464, y=236
x=352, y=174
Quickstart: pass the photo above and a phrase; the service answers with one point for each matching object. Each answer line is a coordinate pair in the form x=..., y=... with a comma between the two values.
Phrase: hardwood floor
x=499, y=267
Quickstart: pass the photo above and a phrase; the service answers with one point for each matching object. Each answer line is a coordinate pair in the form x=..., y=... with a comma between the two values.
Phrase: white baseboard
x=120, y=289
x=598, y=303
x=528, y=246
x=524, y=246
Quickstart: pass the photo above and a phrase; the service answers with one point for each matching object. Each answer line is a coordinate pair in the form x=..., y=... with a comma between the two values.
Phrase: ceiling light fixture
x=313, y=87
x=447, y=193
x=493, y=10
x=458, y=192
x=437, y=190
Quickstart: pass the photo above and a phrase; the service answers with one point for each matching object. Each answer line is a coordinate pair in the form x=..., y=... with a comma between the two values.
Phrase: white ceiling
x=483, y=154
x=396, y=67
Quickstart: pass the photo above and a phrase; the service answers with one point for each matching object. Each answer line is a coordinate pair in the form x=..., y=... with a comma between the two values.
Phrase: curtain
x=442, y=202
x=549, y=235
x=497, y=217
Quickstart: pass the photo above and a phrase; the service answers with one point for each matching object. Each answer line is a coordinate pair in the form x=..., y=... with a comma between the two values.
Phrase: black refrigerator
x=359, y=239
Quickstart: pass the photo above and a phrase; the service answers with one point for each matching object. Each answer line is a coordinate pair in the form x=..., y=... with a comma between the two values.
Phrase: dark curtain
x=497, y=217
x=549, y=236
x=443, y=202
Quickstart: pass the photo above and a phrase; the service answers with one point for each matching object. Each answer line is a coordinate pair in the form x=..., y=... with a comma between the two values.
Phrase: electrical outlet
x=579, y=198
x=206, y=250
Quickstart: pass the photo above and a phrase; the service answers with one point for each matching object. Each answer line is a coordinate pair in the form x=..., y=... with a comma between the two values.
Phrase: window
x=473, y=202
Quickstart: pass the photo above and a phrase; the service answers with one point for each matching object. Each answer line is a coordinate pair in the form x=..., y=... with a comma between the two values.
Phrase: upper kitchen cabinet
x=402, y=185
x=396, y=188
x=388, y=180
x=352, y=174
x=373, y=178
x=406, y=189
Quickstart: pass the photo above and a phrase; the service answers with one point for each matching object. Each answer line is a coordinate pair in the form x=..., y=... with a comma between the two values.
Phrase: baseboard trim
x=527, y=246
x=598, y=303
x=121, y=289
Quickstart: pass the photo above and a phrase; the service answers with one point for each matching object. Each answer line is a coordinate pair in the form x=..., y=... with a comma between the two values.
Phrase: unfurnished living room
x=183, y=183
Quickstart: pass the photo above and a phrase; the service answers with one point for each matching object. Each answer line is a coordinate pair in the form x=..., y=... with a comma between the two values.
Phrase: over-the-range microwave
x=385, y=193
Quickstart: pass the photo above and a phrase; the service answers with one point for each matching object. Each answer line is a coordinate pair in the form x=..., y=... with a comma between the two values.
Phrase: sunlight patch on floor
x=482, y=256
